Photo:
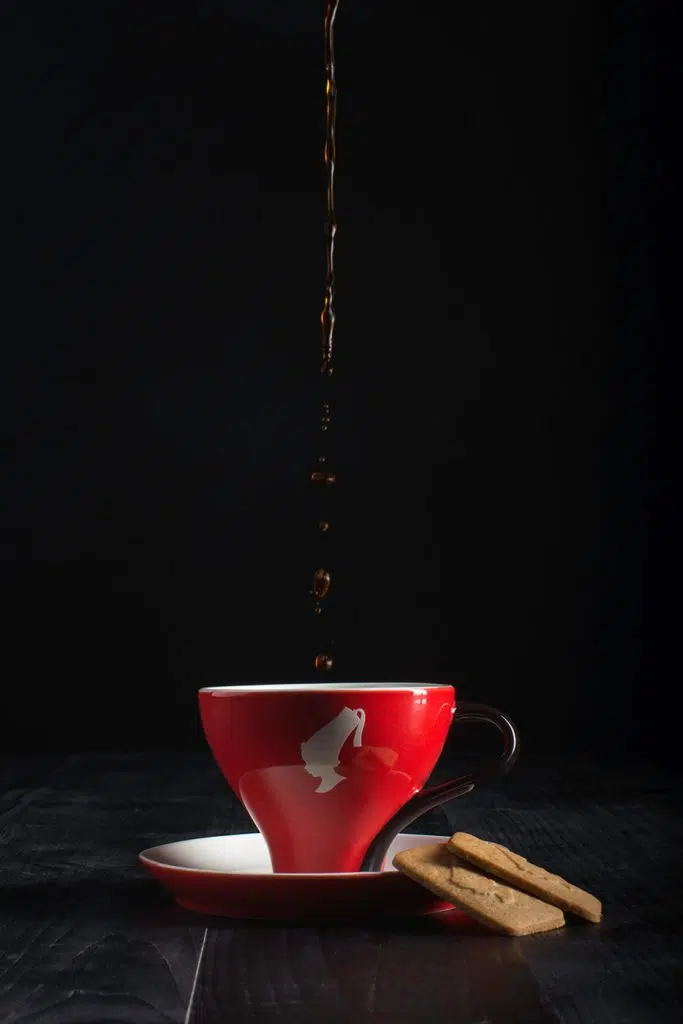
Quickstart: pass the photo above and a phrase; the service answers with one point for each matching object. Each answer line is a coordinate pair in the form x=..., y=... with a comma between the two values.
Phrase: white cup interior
x=416, y=688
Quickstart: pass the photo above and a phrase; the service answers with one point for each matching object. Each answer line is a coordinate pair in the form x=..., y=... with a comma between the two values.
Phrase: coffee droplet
x=323, y=663
x=322, y=458
x=324, y=478
x=323, y=526
x=318, y=609
x=321, y=583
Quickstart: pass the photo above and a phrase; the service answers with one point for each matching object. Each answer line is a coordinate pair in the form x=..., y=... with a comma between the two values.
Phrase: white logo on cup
x=321, y=752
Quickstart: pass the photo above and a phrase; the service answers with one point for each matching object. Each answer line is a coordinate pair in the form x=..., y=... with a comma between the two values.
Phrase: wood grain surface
x=87, y=937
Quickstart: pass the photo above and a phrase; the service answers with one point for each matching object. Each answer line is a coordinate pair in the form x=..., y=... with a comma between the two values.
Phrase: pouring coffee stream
x=323, y=478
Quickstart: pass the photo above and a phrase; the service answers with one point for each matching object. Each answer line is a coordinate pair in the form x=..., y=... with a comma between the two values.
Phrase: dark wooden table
x=86, y=937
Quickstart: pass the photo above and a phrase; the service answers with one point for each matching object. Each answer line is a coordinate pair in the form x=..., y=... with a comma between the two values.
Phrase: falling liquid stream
x=323, y=479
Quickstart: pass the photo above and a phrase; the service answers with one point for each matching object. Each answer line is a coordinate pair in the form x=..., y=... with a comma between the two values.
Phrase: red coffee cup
x=331, y=772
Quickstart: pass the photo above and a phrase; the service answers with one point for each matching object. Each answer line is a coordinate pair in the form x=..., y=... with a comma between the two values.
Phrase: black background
x=503, y=418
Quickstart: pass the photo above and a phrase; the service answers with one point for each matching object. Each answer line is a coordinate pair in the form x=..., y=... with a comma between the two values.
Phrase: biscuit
x=503, y=863
x=483, y=898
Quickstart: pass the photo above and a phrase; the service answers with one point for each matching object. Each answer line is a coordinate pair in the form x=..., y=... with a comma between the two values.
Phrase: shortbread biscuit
x=483, y=898
x=511, y=867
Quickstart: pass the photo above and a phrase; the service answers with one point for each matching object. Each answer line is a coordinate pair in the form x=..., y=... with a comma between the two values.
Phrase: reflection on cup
x=373, y=758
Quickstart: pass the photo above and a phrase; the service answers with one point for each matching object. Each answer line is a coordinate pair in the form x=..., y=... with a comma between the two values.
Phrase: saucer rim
x=149, y=862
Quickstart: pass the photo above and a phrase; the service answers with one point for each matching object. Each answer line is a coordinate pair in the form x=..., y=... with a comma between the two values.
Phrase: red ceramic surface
x=231, y=876
x=322, y=767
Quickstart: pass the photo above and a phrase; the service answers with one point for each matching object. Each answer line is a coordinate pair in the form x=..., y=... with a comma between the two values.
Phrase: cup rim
x=418, y=689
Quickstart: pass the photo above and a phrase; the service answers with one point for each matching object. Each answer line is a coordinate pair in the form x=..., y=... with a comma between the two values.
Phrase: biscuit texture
x=517, y=871
x=485, y=899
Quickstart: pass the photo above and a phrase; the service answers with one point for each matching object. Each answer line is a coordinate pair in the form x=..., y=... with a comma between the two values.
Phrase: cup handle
x=428, y=799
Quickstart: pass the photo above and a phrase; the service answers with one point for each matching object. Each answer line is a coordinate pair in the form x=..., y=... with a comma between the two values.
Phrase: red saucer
x=231, y=876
